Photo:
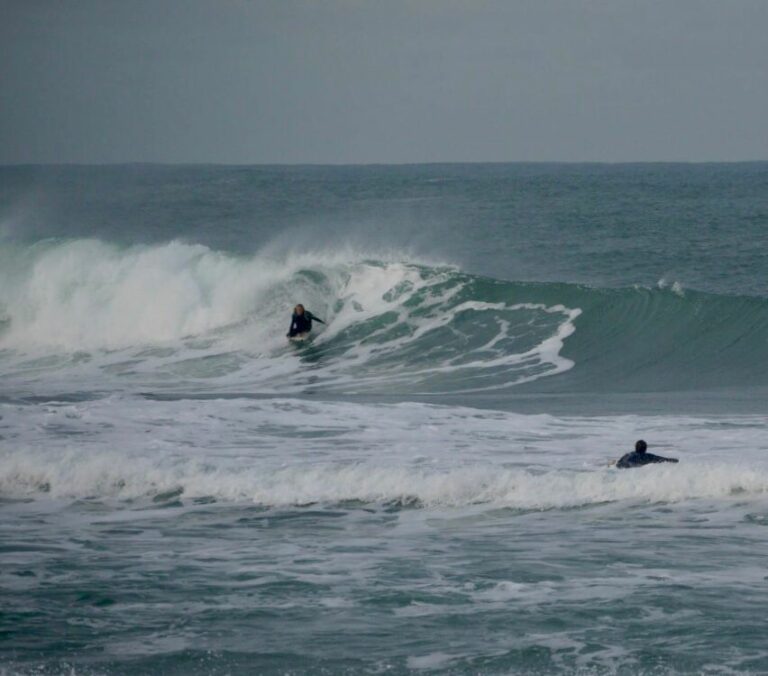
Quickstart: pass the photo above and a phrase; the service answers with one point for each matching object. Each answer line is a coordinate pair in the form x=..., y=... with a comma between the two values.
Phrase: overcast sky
x=348, y=81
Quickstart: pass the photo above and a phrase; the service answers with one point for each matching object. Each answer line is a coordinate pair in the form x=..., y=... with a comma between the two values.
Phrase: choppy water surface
x=425, y=487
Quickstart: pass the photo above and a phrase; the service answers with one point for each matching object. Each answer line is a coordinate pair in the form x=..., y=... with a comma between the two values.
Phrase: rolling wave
x=182, y=315
x=108, y=475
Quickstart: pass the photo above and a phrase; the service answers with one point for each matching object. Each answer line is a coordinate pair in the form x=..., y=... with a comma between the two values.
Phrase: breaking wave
x=105, y=475
x=182, y=315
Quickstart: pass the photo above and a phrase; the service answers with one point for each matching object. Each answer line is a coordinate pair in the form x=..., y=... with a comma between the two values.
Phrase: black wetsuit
x=302, y=323
x=635, y=459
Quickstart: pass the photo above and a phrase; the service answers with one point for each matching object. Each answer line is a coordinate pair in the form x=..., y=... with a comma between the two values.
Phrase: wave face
x=184, y=315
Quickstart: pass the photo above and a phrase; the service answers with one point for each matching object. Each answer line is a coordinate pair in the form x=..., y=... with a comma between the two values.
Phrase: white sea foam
x=103, y=474
x=87, y=294
x=284, y=452
x=675, y=287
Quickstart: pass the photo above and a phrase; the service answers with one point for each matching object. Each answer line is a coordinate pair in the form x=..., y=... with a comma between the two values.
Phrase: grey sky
x=382, y=80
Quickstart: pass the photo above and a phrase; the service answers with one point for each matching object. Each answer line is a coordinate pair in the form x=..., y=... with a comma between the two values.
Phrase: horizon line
x=373, y=164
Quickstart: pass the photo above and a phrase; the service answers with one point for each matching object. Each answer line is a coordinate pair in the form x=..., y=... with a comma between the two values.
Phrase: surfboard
x=300, y=337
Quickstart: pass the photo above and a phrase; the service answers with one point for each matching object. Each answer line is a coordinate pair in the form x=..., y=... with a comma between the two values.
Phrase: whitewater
x=428, y=485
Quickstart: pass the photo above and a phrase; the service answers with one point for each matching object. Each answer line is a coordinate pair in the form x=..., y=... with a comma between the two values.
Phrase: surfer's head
x=299, y=309
x=641, y=446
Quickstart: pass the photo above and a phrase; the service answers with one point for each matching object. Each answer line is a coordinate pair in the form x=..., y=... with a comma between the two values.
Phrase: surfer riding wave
x=301, y=322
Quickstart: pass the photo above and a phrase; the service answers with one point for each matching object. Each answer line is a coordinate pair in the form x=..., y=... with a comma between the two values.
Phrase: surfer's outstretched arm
x=317, y=319
x=659, y=458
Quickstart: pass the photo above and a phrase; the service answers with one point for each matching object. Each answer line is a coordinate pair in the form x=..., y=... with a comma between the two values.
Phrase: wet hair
x=299, y=306
x=641, y=446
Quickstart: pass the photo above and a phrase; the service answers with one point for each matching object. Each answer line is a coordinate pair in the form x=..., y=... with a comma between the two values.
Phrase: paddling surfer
x=640, y=457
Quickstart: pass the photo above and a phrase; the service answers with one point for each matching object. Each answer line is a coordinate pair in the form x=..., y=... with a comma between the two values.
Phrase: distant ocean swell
x=181, y=313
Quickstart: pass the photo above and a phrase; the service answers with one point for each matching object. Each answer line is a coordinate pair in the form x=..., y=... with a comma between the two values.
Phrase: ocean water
x=424, y=488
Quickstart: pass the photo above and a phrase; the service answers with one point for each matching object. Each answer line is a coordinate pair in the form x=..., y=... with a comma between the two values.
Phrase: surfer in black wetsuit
x=639, y=457
x=301, y=321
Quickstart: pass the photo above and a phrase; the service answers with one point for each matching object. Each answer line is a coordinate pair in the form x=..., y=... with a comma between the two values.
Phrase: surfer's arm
x=315, y=319
x=658, y=458
x=291, y=331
